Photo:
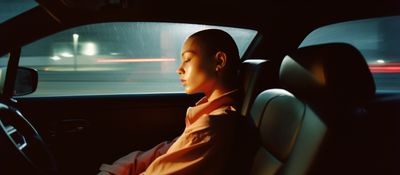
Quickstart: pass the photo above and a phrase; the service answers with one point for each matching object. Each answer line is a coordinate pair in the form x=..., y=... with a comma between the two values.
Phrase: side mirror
x=26, y=81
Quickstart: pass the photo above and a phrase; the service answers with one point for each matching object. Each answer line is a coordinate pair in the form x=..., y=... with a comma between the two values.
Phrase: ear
x=221, y=60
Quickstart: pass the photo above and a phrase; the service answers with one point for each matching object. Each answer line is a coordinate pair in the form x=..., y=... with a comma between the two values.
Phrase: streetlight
x=75, y=38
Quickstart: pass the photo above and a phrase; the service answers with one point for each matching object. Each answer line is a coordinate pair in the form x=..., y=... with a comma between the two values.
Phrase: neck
x=217, y=93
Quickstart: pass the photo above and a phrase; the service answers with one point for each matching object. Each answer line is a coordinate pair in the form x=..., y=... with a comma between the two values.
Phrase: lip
x=183, y=81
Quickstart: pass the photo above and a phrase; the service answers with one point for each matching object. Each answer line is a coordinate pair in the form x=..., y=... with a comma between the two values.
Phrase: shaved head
x=213, y=41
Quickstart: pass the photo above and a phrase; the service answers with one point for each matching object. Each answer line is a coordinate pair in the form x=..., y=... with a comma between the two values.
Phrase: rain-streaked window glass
x=115, y=58
x=378, y=40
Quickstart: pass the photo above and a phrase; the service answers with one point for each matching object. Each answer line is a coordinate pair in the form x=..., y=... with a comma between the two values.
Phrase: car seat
x=256, y=75
x=308, y=126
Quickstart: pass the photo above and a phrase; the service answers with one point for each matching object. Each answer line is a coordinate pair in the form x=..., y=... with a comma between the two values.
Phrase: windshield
x=11, y=8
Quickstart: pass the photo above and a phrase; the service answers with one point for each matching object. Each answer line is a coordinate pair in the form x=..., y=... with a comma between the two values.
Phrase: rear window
x=378, y=40
x=115, y=58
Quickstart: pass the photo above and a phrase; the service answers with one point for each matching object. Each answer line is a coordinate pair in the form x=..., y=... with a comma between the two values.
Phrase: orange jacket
x=204, y=147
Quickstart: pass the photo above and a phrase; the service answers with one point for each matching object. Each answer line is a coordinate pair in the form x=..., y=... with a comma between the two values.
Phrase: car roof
x=282, y=24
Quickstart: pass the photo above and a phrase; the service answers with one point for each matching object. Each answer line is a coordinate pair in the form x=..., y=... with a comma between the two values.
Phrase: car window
x=376, y=38
x=11, y=8
x=115, y=58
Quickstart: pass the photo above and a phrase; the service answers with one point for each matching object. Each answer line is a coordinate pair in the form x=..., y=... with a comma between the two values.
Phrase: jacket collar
x=203, y=106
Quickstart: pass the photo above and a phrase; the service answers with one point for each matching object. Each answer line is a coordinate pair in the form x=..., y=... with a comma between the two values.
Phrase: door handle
x=70, y=126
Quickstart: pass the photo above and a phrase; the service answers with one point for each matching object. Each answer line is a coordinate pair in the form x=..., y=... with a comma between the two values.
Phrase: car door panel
x=383, y=133
x=85, y=131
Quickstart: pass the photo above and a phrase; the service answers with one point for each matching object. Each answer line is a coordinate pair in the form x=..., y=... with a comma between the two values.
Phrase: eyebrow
x=188, y=51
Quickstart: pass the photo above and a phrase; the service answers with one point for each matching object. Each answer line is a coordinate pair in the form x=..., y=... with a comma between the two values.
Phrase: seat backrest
x=290, y=133
x=299, y=126
x=255, y=75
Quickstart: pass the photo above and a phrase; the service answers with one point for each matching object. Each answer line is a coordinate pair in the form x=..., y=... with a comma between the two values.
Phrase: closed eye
x=187, y=60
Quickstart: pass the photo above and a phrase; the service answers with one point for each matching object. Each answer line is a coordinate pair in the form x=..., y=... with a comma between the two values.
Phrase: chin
x=189, y=91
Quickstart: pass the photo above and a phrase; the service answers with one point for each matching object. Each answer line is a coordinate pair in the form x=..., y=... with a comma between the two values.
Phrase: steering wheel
x=25, y=149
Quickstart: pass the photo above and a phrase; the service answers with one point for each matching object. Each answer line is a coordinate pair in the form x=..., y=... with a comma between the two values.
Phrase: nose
x=180, y=70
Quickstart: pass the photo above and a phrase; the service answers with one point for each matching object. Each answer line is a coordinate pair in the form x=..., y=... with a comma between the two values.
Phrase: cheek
x=200, y=78
x=188, y=71
x=195, y=73
x=207, y=72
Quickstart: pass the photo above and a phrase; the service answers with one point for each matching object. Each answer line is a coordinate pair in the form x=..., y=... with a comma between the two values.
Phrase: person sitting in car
x=210, y=142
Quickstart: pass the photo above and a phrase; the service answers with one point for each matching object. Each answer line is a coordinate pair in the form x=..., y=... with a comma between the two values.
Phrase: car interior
x=320, y=105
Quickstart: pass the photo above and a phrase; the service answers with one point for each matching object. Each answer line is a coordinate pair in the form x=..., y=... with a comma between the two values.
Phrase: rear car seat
x=308, y=127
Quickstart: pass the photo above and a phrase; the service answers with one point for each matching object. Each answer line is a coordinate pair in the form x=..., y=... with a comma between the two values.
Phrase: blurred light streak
x=89, y=49
x=66, y=54
x=55, y=58
x=385, y=68
x=133, y=60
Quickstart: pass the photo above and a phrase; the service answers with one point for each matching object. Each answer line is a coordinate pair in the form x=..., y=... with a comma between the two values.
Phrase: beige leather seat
x=308, y=126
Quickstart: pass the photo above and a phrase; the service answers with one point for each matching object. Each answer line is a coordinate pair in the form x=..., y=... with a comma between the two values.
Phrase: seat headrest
x=335, y=71
x=255, y=75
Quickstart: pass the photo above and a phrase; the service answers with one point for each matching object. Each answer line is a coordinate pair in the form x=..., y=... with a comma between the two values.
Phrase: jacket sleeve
x=135, y=162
